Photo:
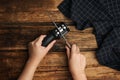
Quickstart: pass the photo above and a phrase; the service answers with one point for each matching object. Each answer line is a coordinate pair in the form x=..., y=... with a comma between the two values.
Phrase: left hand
x=36, y=51
x=36, y=54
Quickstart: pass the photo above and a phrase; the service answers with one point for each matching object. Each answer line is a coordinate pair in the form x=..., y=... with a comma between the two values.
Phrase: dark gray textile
x=104, y=16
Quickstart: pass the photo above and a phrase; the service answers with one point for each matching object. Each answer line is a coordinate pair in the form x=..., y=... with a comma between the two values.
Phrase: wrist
x=79, y=75
x=81, y=72
x=33, y=61
x=35, y=58
x=78, y=72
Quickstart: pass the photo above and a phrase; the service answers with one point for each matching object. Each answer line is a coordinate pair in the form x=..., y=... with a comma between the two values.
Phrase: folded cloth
x=104, y=16
x=108, y=53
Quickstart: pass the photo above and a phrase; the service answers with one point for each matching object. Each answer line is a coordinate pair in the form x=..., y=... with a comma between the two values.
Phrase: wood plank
x=33, y=16
x=19, y=37
x=53, y=66
x=30, y=11
x=58, y=60
x=52, y=59
x=44, y=27
x=65, y=75
x=28, y=5
x=98, y=73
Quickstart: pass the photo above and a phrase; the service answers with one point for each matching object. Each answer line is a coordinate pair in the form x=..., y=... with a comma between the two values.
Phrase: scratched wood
x=20, y=36
x=30, y=11
x=54, y=66
x=21, y=21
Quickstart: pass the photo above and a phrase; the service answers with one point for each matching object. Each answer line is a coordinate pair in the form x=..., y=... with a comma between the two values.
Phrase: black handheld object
x=55, y=34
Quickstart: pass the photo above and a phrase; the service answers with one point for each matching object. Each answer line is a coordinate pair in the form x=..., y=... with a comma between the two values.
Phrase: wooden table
x=21, y=21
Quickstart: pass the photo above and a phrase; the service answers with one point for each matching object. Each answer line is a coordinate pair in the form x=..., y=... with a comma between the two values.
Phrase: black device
x=57, y=33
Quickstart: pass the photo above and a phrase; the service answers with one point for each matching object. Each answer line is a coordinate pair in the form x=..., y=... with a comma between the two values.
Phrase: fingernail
x=74, y=44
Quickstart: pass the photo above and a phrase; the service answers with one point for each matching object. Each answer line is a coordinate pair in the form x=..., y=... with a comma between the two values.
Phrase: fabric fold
x=104, y=17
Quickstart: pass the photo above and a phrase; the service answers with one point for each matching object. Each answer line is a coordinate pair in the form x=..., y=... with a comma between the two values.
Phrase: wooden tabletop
x=21, y=21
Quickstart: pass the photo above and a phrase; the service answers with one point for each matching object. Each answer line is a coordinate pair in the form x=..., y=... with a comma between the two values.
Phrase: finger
x=78, y=50
x=39, y=39
x=73, y=50
x=67, y=51
x=35, y=40
x=50, y=45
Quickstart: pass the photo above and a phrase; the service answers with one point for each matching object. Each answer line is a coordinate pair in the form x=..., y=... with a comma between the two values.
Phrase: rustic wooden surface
x=21, y=21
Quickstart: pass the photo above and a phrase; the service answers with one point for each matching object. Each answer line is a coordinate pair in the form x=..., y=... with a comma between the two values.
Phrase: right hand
x=77, y=61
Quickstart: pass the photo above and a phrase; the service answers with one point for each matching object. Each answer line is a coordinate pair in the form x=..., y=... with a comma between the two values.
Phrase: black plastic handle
x=48, y=39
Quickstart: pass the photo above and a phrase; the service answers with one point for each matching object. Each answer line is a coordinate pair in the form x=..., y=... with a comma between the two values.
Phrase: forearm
x=36, y=54
x=29, y=70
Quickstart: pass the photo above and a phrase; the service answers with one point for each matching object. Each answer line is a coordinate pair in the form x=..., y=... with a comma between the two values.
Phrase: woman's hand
x=36, y=54
x=77, y=63
x=36, y=51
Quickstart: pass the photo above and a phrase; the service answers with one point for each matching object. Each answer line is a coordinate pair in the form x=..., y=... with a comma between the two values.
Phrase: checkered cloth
x=104, y=16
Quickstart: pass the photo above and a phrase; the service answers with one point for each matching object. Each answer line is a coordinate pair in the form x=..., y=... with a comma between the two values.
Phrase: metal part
x=67, y=43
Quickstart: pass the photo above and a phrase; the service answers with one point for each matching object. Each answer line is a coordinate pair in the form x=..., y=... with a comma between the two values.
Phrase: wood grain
x=21, y=21
x=20, y=36
x=28, y=5
x=33, y=16
x=30, y=11
x=54, y=66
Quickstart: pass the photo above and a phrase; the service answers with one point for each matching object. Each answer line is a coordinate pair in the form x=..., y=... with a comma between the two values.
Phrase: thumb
x=50, y=45
x=68, y=52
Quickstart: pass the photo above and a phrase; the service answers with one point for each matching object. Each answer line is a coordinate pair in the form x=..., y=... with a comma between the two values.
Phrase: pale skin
x=77, y=61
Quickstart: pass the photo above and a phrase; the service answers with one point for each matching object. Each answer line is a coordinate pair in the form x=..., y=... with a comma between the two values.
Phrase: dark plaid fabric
x=104, y=16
